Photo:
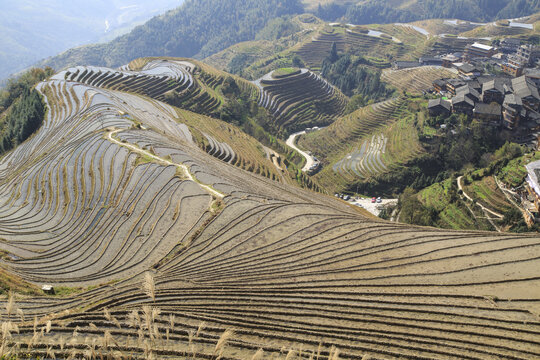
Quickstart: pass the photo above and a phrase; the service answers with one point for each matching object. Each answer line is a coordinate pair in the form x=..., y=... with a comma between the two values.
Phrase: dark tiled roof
x=512, y=99
x=487, y=109
x=430, y=59
x=493, y=85
x=466, y=90
x=534, y=115
x=467, y=68
x=439, y=102
x=484, y=78
x=511, y=41
x=525, y=88
x=407, y=63
x=456, y=82
x=462, y=99
x=440, y=82
x=474, y=84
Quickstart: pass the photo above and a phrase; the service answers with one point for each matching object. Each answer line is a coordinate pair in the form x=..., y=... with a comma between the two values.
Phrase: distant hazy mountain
x=200, y=28
x=389, y=11
x=197, y=29
x=31, y=30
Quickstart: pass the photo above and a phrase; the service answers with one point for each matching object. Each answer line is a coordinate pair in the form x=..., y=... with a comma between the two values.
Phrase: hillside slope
x=382, y=11
x=198, y=258
x=368, y=142
x=196, y=29
x=32, y=30
x=300, y=98
x=201, y=28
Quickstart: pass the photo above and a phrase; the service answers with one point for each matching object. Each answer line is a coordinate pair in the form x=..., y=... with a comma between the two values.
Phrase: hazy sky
x=31, y=30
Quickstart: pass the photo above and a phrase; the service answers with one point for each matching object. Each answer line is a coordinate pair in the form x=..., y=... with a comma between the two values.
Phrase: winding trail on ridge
x=290, y=143
x=479, y=204
x=183, y=167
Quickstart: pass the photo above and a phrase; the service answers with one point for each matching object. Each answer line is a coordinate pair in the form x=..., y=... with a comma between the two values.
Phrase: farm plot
x=487, y=193
x=365, y=44
x=416, y=80
x=315, y=50
x=366, y=160
x=357, y=40
x=368, y=142
x=268, y=271
x=299, y=280
x=180, y=82
x=451, y=44
x=230, y=144
x=452, y=215
x=382, y=152
x=301, y=99
x=353, y=127
x=59, y=208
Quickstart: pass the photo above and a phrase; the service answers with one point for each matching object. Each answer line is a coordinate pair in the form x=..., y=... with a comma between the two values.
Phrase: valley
x=293, y=186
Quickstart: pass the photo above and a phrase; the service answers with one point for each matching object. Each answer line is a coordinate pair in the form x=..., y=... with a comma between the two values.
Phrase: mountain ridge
x=177, y=33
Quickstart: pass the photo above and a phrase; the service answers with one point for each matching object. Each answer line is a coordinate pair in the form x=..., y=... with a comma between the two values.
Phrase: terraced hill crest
x=299, y=98
x=370, y=141
x=169, y=249
x=181, y=82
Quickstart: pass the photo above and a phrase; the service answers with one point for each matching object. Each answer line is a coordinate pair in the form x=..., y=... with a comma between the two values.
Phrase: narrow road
x=182, y=167
x=309, y=159
x=485, y=209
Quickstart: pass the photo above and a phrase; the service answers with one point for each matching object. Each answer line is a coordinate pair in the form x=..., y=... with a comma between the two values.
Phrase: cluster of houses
x=519, y=60
x=511, y=57
x=509, y=103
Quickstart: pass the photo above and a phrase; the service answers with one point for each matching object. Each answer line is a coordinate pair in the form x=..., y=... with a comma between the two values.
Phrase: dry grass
x=222, y=342
x=149, y=286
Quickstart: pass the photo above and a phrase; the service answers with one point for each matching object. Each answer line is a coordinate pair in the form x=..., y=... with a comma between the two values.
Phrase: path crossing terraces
x=96, y=197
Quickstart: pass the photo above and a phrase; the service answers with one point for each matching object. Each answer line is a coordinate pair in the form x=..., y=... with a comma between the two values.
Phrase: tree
x=297, y=61
x=23, y=118
x=333, y=57
x=413, y=211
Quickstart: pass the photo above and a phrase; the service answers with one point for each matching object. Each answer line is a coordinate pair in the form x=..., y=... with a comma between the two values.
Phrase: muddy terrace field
x=183, y=255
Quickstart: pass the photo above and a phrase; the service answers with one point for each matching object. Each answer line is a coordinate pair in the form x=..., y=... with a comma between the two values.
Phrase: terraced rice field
x=228, y=143
x=492, y=30
x=487, y=193
x=418, y=79
x=513, y=174
x=452, y=215
x=355, y=126
x=453, y=44
x=409, y=44
x=316, y=49
x=365, y=44
x=414, y=43
x=301, y=100
x=368, y=142
x=441, y=26
x=191, y=257
x=366, y=160
x=184, y=83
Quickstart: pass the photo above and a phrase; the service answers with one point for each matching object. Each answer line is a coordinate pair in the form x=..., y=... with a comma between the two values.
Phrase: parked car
x=379, y=200
x=346, y=197
x=373, y=200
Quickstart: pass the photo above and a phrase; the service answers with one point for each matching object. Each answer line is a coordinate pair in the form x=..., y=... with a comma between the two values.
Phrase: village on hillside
x=498, y=87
